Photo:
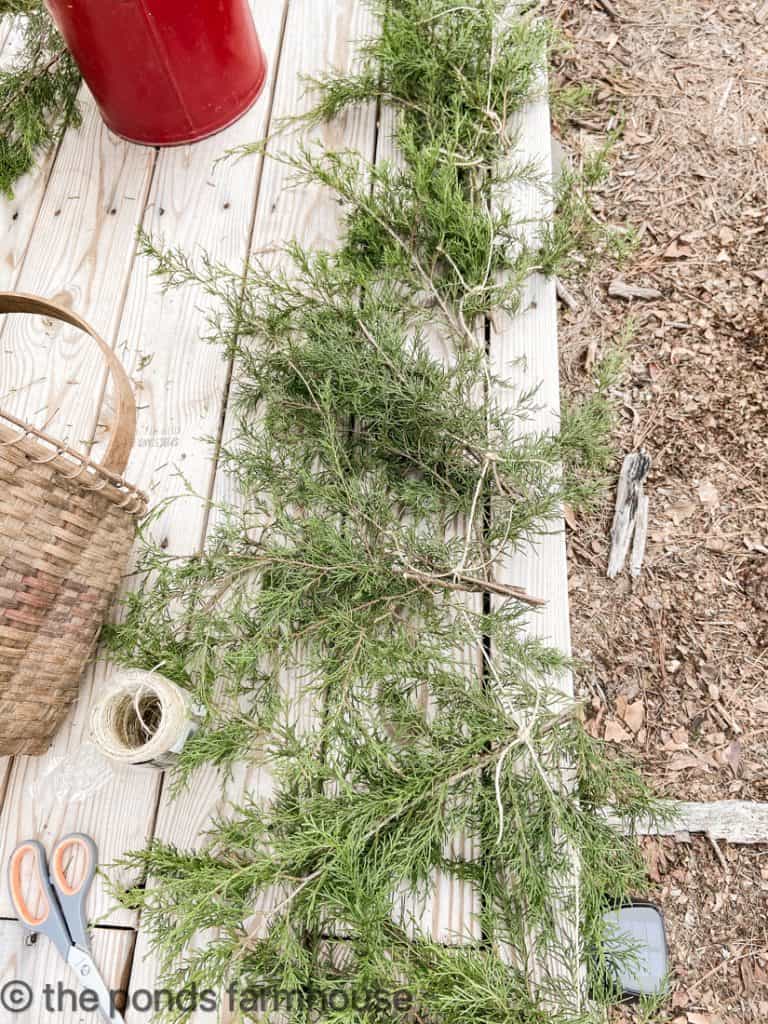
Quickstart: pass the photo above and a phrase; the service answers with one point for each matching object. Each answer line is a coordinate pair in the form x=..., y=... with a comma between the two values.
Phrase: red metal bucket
x=164, y=72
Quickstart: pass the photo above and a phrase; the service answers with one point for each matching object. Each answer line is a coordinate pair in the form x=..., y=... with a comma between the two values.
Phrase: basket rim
x=134, y=500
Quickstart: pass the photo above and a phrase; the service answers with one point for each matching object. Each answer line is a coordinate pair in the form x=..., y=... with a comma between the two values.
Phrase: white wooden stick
x=734, y=821
x=641, y=534
x=628, y=495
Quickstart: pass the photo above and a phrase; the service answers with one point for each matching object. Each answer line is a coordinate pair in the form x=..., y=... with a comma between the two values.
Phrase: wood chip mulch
x=675, y=663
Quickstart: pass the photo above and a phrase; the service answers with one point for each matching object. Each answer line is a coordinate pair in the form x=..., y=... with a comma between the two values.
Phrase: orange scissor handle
x=73, y=866
x=36, y=853
x=62, y=914
x=50, y=919
x=82, y=852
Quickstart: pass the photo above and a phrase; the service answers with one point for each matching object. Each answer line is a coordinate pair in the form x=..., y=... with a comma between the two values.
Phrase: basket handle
x=121, y=441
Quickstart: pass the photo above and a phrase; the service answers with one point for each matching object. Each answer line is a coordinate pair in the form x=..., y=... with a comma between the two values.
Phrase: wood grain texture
x=312, y=217
x=40, y=965
x=318, y=33
x=448, y=911
x=630, y=502
x=80, y=253
x=524, y=352
x=733, y=821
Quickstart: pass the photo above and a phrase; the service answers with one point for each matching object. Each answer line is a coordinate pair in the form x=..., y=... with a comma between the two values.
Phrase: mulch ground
x=675, y=662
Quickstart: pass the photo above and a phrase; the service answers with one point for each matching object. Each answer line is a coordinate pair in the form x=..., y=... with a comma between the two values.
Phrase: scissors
x=62, y=916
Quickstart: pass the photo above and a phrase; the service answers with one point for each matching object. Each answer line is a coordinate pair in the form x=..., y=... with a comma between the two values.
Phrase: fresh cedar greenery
x=379, y=486
x=38, y=91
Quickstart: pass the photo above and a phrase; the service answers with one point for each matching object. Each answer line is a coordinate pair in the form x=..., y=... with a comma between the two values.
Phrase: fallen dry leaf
x=680, y=998
x=677, y=250
x=734, y=755
x=614, y=732
x=634, y=716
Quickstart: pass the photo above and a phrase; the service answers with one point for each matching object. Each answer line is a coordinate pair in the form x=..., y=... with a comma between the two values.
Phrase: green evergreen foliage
x=38, y=92
x=380, y=485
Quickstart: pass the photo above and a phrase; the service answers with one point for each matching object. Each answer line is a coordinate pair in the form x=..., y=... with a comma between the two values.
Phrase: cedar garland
x=367, y=470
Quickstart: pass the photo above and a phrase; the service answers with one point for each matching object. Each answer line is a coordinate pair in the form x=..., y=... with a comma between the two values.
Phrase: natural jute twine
x=143, y=718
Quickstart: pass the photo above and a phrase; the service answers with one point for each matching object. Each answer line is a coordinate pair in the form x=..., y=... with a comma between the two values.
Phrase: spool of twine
x=143, y=718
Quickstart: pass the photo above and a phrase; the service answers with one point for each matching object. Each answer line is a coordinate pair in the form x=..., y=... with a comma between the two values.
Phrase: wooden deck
x=70, y=233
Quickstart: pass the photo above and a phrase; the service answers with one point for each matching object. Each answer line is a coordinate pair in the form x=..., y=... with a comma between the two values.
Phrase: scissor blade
x=88, y=973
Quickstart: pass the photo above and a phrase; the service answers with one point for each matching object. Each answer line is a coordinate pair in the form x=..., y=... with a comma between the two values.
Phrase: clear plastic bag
x=73, y=778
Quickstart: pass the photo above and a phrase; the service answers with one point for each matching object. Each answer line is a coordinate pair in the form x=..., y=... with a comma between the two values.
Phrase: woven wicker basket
x=66, y=528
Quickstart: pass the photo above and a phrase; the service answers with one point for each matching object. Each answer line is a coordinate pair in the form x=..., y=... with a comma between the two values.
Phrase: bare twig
x=469, y=584
x=718, y=852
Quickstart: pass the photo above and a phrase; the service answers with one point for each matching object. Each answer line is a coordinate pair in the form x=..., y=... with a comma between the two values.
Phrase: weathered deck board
x=448, y=911
x=281, y=216
x=732, y=821
x=523, y=351
x=284, y=215
x=321, y=33
x=236, y=191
